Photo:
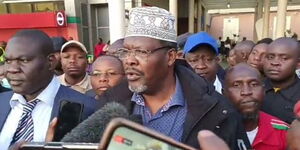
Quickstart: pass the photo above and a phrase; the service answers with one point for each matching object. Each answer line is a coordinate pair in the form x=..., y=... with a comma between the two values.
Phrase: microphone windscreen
x=91, y=129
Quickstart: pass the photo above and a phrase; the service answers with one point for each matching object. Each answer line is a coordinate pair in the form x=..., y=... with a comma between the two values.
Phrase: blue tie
x=25, y=126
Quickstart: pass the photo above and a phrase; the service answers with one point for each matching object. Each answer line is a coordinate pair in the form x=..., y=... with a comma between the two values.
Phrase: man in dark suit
x=26, y=111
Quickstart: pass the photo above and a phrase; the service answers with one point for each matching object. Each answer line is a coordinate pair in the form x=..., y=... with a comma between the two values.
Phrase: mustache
x=134, y=70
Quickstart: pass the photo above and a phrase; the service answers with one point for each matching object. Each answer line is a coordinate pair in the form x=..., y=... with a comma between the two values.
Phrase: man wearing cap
x=74, y=64
x=201, y=52
x=169, y=96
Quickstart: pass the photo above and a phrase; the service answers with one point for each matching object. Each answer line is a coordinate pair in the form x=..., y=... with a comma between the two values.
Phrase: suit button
x=224, y=112
x=218, y=127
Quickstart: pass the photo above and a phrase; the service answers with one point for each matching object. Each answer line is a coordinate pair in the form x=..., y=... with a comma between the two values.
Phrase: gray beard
x=138, y=89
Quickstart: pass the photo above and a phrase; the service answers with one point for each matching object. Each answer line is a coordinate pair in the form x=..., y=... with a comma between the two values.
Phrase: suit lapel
x=5, y=107
x=56, y=103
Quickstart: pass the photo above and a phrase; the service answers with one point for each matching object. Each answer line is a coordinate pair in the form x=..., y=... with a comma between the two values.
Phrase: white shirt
x=41, y=114
x=252, y=134
x=218, y=85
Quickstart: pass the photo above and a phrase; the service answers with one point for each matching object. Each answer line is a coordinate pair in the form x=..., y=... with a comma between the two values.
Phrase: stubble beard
x=140, y=88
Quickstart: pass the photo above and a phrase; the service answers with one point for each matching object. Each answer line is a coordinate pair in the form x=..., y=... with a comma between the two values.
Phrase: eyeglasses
x=105, y=74
x=123, y=53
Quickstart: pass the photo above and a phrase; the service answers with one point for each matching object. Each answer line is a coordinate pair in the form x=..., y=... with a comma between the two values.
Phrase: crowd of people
x=176, y=84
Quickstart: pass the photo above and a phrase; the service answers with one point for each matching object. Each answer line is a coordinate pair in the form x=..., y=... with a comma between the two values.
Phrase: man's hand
x=209, y=141
x=51, y=130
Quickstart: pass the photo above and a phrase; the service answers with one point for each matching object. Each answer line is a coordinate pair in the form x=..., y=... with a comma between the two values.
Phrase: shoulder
x=274, y=122
x=61, y=78
x=5, y=98
x=6, y=95
x=72, y=95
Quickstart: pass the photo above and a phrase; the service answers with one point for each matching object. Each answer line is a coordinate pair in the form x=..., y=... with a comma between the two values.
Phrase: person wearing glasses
x=107, y=71
x=169, y=96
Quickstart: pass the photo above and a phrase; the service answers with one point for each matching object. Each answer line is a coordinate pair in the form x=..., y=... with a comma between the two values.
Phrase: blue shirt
x=169, y=119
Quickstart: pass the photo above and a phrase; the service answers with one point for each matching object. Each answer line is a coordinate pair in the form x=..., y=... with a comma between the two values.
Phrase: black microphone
x=91, y=129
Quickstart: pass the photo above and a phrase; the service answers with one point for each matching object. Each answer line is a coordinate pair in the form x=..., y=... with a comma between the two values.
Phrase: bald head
x=286, y=44
x=109, y=60
x=241, y=68
x=242, y=50
x=41, y=40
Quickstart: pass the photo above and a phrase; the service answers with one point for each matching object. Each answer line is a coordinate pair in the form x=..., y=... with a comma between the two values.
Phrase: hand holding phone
x=69, y=117
x=126, y=135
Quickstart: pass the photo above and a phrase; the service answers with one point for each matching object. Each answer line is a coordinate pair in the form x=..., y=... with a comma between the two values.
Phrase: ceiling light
x=228, y=5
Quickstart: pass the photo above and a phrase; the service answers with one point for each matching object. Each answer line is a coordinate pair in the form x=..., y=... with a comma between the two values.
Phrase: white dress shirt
x=41, y=114
x=218, y=85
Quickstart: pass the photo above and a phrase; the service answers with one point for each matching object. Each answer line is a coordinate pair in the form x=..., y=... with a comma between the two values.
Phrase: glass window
x=102, y=16
x=48, y=6
x=19, y=8
x=84, y=14
x=104, y=34
x=3, y=8
x=86, y=38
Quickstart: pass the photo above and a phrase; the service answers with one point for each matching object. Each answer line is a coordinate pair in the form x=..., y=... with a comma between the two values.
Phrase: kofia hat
x=152, y=22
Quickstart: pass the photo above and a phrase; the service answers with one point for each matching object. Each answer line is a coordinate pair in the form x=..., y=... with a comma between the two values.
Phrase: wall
x=246, y=24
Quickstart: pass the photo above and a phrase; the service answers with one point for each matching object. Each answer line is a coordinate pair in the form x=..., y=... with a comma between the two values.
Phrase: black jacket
x=281, y=104
x=205, y=109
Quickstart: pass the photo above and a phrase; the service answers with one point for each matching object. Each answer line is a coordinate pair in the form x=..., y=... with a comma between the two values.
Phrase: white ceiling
x=222, y=4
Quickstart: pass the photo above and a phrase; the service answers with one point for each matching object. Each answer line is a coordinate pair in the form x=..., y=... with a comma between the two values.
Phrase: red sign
x=33, y=20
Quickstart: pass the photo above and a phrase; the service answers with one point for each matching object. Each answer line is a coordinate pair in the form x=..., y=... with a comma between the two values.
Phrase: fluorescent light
x=228, y=5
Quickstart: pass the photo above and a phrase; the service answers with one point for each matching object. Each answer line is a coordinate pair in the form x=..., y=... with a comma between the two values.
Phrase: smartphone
x=59, y=146
x=69, y=116
x=122, y=134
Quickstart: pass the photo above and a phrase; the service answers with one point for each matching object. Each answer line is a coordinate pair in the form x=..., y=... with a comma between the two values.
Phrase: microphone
x=91, y=129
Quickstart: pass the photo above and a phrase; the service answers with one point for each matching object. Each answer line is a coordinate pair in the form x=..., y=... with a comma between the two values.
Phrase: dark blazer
x=64, y=93
x=205, y=109
x=3, y=89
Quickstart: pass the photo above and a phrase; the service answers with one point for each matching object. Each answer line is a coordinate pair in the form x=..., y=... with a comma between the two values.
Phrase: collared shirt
x=280, y=103
x=41, y=114
x=271, y=133
x=83, y=86
x=218, y=85
x=169, y=120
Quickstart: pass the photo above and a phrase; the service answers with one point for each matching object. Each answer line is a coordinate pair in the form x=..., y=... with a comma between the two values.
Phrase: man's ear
x=244, y=56
x=53, y=61
x=172, y=55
